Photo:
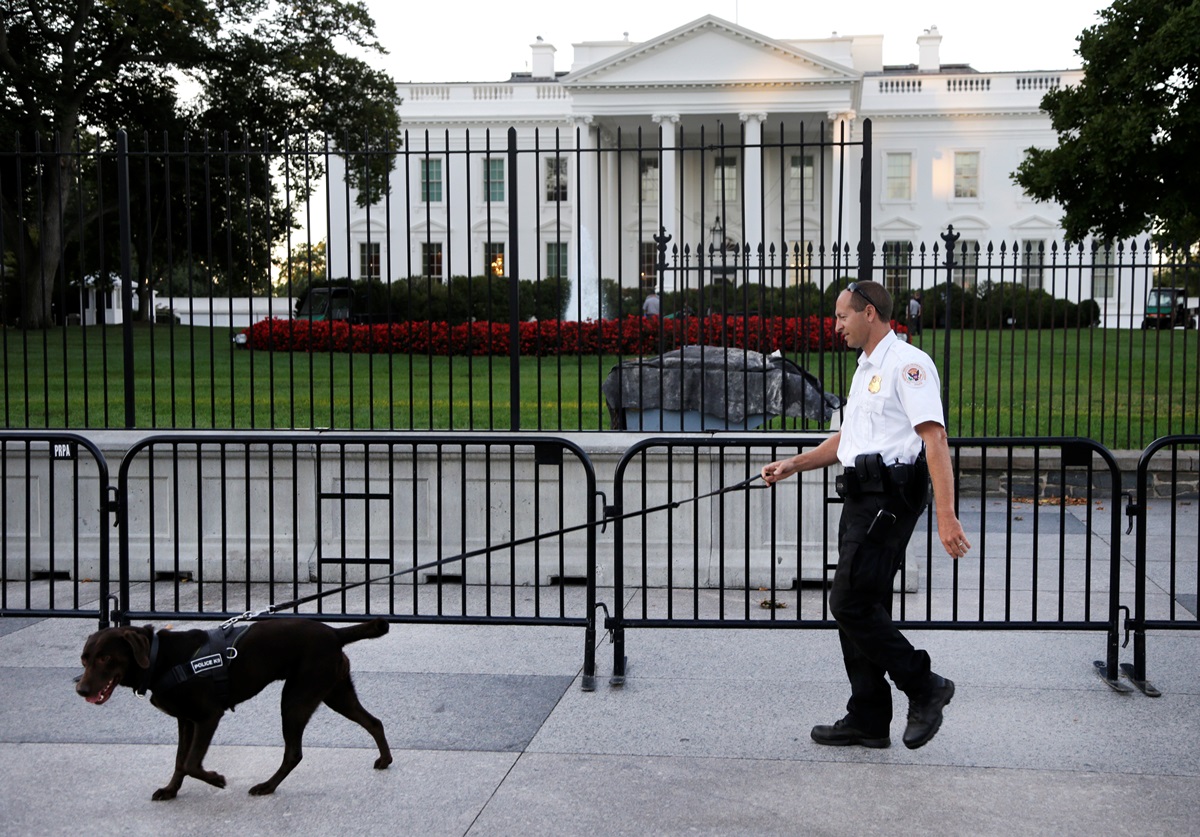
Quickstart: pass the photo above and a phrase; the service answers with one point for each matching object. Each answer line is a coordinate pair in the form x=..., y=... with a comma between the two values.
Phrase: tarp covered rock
x=730, y=384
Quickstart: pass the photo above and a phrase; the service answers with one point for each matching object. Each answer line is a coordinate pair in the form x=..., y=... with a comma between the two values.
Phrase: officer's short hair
x=878, y=295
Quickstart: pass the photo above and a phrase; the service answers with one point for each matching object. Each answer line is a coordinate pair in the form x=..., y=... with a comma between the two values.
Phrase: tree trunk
x=40, y=273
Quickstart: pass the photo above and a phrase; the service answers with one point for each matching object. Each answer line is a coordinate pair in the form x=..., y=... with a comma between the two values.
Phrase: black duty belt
x=870, y=475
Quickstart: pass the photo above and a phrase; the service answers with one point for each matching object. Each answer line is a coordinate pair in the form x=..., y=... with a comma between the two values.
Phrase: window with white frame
x=556, y=179
x=802, y=180
x=1033, y=254
x=431, y=259
x=966, y=263
x=648, y=263
x=431, y=181
x=799, y=259
x=1104, y=271
x=493, y=257
x=898, y=176
x=368, y=260
x=966, y=174
x=648, y=179
x=556, y=260
x=725, y=180
x=897, y=262
x=493, y=179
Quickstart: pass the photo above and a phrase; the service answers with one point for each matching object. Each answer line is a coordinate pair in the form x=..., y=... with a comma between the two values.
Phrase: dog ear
x=139, y=641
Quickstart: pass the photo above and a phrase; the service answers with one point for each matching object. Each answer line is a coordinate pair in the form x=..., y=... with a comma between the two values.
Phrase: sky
x=473, y=40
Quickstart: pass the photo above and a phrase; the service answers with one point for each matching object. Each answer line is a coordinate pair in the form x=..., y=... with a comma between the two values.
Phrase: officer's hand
x=779, y=470
x=954, y=539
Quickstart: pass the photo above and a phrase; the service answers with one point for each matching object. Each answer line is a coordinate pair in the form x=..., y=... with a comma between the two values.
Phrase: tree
x=301, y=269
x=1129, y=134
x=272, y=74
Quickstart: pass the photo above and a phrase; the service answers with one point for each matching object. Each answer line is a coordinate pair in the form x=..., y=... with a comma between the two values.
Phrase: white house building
x=712, y=133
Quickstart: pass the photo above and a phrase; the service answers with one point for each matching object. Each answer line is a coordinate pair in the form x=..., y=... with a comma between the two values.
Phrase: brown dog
x=194, y=676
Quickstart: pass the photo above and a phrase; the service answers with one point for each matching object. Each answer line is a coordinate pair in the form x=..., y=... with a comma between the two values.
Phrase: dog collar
x=148, y=677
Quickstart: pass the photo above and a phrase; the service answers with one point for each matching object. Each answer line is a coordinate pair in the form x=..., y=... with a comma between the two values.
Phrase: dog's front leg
x=201, y=737
x=181, y=751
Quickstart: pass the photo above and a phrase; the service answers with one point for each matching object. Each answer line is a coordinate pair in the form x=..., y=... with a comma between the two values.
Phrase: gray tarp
x=727, y=383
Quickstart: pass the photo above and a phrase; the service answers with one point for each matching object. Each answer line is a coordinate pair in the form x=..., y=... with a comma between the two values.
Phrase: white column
x=586, y=285
x=849, y=186
x=668, y=172
x=608, y=223
x=752, y=178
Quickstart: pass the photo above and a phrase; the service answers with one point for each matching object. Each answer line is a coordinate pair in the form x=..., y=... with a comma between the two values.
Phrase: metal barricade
x=1167, y=589
x=54, y=529
x=467, y=528
x=1042, y=514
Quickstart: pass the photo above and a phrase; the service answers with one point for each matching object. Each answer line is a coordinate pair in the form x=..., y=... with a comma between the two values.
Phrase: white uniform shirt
x=895, y=389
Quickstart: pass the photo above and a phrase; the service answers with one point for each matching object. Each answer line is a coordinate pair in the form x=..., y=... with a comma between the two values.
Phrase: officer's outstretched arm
x=822, y=456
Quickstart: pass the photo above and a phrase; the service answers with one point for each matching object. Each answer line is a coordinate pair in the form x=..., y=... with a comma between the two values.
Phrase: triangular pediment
x=710, y=52
x=969, y=225
x=899, y=224
x=1035, y=223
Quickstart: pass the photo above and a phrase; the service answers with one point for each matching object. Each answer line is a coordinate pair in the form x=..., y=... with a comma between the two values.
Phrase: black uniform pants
x=861, y=602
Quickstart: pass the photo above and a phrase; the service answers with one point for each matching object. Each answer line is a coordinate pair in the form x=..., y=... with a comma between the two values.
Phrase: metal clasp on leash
x=248, y=616
x=233, y=620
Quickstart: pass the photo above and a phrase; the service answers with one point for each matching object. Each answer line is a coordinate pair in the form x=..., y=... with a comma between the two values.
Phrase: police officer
x=892, y=444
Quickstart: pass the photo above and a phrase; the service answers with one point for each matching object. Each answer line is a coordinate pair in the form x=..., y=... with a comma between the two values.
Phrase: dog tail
x=364, y=630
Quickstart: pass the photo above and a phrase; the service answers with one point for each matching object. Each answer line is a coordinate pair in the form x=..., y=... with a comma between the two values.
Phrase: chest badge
x=875, y=384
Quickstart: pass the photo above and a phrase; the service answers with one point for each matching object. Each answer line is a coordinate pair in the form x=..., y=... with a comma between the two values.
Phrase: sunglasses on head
x=855, y=289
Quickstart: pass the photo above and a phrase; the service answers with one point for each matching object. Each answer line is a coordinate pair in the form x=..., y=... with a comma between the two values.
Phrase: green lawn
x=1122, y=388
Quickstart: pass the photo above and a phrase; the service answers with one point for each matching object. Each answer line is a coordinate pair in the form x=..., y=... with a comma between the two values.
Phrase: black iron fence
x=440, y=308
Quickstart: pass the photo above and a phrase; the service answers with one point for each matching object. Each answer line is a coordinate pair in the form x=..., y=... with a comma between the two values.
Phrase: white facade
x=946, y=140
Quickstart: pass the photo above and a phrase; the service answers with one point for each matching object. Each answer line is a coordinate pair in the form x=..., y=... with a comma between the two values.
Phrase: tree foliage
x=193, y=80
x=304, y=267
x=1129, y=134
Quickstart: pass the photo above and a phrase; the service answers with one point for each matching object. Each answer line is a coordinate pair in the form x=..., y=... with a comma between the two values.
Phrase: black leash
x=251, y=614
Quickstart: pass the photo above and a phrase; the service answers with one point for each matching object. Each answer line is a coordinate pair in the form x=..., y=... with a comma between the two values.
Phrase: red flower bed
x=628, y=336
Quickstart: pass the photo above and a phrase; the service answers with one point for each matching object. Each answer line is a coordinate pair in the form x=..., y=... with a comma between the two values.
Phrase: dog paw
x=214, y=779
x=263, y=789
x=163, y=794
x=382, y=762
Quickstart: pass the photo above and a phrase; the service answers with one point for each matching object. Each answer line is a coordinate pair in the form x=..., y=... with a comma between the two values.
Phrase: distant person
x=651, y=307
x=914, y=313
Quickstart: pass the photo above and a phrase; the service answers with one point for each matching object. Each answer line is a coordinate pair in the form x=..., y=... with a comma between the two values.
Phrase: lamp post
x=716, y=233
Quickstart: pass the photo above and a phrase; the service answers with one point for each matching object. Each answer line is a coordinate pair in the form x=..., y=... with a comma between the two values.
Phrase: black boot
x=925, y=712
x=842, y=734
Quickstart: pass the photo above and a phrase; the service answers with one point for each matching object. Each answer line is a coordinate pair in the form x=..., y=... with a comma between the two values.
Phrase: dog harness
x=212, y=659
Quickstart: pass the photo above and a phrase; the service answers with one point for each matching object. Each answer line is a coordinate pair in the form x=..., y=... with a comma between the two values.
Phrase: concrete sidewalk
x=492, y=735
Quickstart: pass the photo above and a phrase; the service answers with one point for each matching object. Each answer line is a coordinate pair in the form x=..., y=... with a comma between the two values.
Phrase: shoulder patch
x=914, y=375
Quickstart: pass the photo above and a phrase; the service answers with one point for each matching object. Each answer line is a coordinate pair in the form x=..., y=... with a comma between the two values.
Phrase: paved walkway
x=493, y=735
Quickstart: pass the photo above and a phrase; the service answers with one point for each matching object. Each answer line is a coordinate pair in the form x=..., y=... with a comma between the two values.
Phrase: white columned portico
x=667, y=170
x=752, y=234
